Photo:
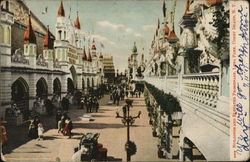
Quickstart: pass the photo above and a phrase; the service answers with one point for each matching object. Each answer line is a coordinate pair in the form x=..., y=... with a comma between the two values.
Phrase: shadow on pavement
x=111, y=158
x=97, y=125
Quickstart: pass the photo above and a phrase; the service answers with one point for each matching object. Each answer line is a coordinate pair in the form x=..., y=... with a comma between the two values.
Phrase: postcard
x=124, y=80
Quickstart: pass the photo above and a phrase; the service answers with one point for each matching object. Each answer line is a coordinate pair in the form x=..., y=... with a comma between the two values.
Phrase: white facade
x=60, y=69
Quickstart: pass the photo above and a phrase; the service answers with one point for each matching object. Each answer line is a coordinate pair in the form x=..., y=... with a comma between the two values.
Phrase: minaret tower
x=61, y=43
x=78, y=32
x=187, y=25
x=61, y=24
x=134, y=62
x=48, y=49
x=30, y=47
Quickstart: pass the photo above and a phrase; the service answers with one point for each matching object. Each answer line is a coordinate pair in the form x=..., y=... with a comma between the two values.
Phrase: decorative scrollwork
x=41, y=61
x=19, y=57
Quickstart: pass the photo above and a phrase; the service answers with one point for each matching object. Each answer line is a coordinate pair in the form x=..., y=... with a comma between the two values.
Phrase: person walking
x=60, y=126
x=58, y=117
x=40, y=131
x=68, y=127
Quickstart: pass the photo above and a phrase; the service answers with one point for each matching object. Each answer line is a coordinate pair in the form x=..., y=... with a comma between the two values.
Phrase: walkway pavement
x=112, y=136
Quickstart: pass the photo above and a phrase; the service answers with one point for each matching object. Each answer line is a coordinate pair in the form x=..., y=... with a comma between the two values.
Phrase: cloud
x=148, y=27
x=119, y=27
x=102, y=38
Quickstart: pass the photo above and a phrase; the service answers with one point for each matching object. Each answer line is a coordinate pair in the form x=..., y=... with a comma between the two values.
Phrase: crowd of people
x=118, y=93
x=89, y=103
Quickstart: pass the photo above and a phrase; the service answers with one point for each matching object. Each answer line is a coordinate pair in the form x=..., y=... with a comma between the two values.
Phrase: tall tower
x=94, y=56
x=30, y=47
x=48, y=49
x=78, y=32
x=61, y=42
x=133, y=60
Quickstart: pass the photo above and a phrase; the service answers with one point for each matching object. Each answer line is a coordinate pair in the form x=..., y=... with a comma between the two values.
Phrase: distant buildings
x=108, y=69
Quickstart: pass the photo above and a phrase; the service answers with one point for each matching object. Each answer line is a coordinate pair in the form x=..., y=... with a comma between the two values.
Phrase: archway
x=41, y=88
x=74, y=76
x=20, y=96
x=57, y=87
x=70, y=86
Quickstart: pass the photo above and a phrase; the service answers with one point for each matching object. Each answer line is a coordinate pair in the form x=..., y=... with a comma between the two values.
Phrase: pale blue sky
x=118, y=23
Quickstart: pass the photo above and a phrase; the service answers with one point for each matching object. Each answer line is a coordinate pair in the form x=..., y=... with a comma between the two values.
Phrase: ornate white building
x=60, y=66
x=195, y=69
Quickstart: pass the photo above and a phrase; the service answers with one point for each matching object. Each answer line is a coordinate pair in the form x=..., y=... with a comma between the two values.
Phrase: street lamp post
x=128, y=120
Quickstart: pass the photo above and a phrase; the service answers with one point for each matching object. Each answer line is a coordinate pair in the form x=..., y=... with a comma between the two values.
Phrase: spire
x=166, y=30
x=158, y=27
x=93, y=45
x=89, y=56
x=47, y=44
x=84, y=55
x=187, y=9
x=172, y=35
x=77, y=23
x=61, y=10
x=213, y=2
x=29, y=35
x=164, y=8
x=134, y=50
x=142, y=57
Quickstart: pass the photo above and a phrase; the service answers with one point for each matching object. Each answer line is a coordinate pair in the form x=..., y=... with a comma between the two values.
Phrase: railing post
x=180, y=75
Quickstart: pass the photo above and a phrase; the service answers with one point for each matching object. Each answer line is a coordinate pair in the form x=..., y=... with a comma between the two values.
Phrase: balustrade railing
x=203, y=88
x=172, y=83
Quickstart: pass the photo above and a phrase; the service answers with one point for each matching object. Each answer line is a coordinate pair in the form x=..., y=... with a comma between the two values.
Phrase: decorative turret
x=84, y=55
x=61, y=24
x=166, y=31
x=134, y=50
x=48, y=44
x=77, y=22
x=93, y=45
x=187, y=9
x=30, y=50
x=172, y=37
x=61, y=11
x=89, y=57
x=142, y=58
x=29, y=35
x=164, y=8
x=213, y=2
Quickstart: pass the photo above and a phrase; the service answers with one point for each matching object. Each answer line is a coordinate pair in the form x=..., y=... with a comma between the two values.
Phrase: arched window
x=60, y=34
x=64, y=35
x=1, y=34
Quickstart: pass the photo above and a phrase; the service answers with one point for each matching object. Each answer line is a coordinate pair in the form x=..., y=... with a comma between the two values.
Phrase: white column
x=32, y=90
x=5, y=87
x=50, y=85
